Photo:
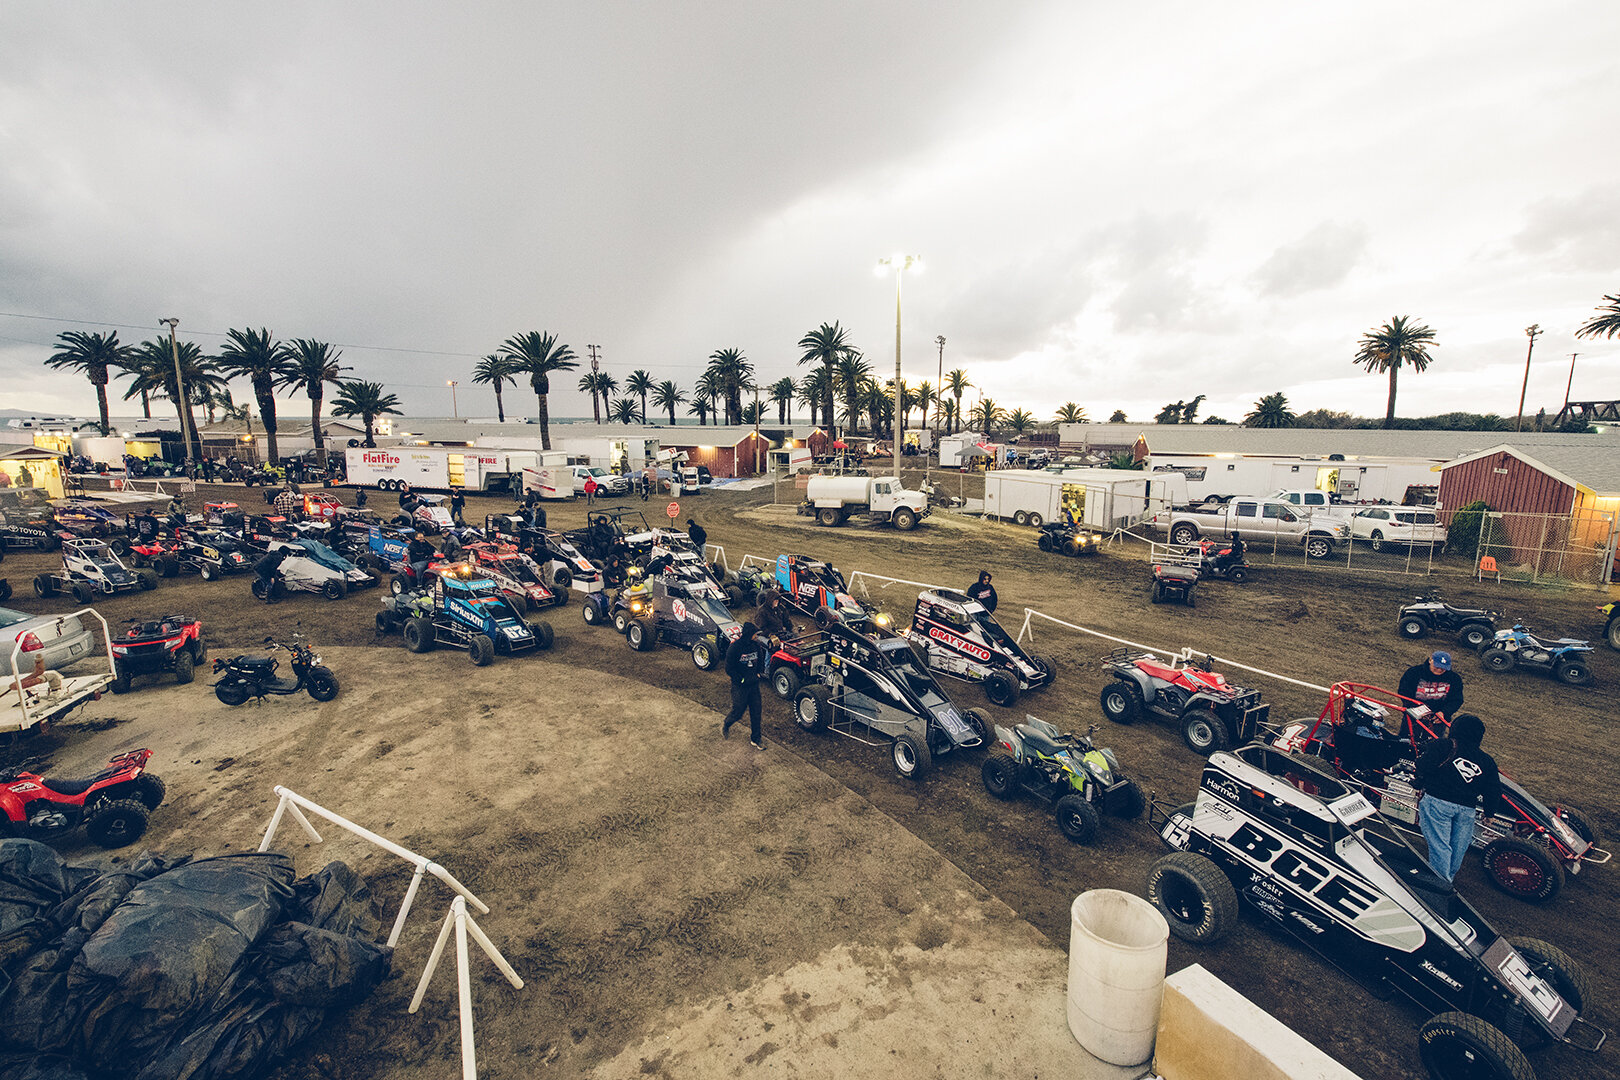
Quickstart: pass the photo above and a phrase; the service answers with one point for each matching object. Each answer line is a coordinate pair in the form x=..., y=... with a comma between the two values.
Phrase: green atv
x=1063, y=770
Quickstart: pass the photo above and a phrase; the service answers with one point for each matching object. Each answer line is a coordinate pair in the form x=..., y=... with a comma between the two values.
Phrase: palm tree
x=702, y=402
x=93, y=354
x=733, y=374
x=142, y=370
x=1605, y=325
x=1190, y=409
x=782, y=391
x=956, y=383
x=666, y=395
x=1395, y=343
x=152, y=364
x=537, y=355
x=986, y=415
x=496, y=370
x=753, y=412
x=812, y=389
x=356, y=397
x=926, y=396
x=1070, y=413
x=639, y=383
x=310, y=366
x=243, y=412
x=1271, y=411
x=264, y=362
x=1020, y=421
x=587, y=383
x=709, y=384
x=624, y=410
x=1117, y=417
x=824, y=346
x=1170, y=414
x=849, y=373
x=947, y=409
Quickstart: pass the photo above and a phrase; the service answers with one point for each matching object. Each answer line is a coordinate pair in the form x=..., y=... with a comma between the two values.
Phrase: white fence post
x=462, y=924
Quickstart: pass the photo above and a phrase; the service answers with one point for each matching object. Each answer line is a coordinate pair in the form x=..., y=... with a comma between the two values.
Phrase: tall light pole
x=1532, y=331
x=1569, y=385
x=188, y=430
x=455, y=412
x=899, y=264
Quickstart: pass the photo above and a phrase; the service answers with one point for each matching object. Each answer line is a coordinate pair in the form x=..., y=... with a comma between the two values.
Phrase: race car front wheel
x=1194, y=896
x=1523, y=869
x=911, y=756
x=1458, y=1046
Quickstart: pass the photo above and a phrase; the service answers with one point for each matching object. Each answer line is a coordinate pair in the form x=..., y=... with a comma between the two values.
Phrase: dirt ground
x=688, y=907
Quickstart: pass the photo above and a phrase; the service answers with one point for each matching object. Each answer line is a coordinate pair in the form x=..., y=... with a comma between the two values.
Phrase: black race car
x=26, y=520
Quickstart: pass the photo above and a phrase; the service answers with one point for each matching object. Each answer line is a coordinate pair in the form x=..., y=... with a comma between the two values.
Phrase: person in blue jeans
x=1457, y=778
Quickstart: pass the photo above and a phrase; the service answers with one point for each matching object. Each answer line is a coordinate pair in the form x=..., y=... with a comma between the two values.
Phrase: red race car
x=518, y=576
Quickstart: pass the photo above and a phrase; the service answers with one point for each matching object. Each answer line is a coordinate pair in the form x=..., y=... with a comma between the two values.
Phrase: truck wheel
x=1413, y=627
x=1203, y=731
x=1001, y=688
x=1496, y=659
x=1122, y=702
x=785, y=681
x=1077, y=819
x=1523, y=869
x=813, y=708
x=1000, y=774
x=1318, y=547
x=184, y=668
x=543, y=633
x=419, y=634
x=911, y=756
x=1184, y=534
x=1376, y=540
x=116, y=823
x=828, y=516
x=1475, y=635
x=1193, y=895
x=1456, y=1045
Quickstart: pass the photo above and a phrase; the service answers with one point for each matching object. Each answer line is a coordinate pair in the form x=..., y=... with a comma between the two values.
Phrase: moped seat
x=255, y=663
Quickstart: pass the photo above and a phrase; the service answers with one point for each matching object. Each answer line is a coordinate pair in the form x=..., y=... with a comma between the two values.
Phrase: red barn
x=746, y=455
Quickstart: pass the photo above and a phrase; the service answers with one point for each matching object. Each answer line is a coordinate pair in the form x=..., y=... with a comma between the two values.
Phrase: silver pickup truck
x=1263, y=521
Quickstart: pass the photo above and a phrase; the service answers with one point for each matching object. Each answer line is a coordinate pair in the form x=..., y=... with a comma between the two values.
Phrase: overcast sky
x=1117, y=204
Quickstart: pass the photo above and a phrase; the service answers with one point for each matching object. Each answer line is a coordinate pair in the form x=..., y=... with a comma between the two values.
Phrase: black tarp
x=175, y=968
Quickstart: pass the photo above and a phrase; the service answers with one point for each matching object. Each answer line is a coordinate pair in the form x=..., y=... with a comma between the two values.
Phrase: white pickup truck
x=1257, y=520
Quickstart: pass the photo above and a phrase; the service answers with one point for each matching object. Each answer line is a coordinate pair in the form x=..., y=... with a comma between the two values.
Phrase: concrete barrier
x=1208, y=1031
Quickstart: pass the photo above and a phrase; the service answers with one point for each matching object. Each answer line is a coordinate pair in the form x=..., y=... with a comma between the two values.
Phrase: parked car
x=1382, y=526
x=63, y=637
x=613, y=483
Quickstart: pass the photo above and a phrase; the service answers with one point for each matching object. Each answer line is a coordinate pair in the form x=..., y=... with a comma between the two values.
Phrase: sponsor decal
x=1270, y=909
x=1289, y=866
x=378, y=457
x=1225, y=788
x=959, y=644
x=1306, y=923
x=1442, y=976
x=679, y=608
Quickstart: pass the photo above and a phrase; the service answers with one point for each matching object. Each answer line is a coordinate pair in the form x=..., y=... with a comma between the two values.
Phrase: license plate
x=75, y=650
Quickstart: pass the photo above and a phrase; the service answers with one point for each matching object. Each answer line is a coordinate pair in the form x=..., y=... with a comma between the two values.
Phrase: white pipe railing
x=462, y=924
x=859, y=574
x=291, y=800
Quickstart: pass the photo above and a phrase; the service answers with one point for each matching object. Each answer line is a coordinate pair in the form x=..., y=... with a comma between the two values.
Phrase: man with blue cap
x=1434, y=684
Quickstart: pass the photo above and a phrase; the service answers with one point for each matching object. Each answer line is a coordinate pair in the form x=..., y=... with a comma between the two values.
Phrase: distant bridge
x=1579, y=413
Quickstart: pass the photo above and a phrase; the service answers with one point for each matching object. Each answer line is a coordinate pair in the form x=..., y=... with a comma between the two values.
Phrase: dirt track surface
x=645, y=875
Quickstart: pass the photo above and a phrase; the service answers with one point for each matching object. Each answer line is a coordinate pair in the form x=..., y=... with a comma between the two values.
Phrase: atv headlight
x=881, y=618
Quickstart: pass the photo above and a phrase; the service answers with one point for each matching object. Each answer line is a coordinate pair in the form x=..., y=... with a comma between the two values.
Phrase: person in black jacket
x=268, y=569
x=774, y=620
x=1434, y=684
x=745, y=660
x=699, y=535
x=983, y=591
x=418, y=553
x=458, y=503
x=1457, y=779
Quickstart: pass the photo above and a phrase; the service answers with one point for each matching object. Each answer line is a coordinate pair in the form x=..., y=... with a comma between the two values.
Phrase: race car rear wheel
x=209, y=571
x=1496, y=659
x=813, y=708
x=335, y=589
x=1121, y=702
x=83, y=593
x=1573, y=673
x=115, y=823
x=1556, y=966
x=911, y=756
x=419, y=634
x=1046, y=666
x=1077, y=819
x=543, y=633
x=44, y=586
x=1457, y=1046
x=185, y=669
x=1001, y=688
x=481, y=650
x=1475, y=635
x=561, y=578
x=146, y=579
x=1000, y=774
x=1203, y=731
x=1523, y=869
x=785, y=681
x=1194, y=897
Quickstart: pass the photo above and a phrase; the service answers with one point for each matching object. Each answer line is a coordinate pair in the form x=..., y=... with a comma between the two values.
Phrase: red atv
x=1213, y=713
x=112, y=805
x=172, y=643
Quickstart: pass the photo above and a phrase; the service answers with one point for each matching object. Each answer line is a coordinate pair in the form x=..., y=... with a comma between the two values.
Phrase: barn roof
x=1571, y=462
x=1437, y=446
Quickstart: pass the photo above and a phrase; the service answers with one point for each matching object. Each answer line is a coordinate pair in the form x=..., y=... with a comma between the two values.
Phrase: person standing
x=699, y=535
x=1434, y=684
x=590, y=491
x=745, y=659
x=458, y=503
x=1458, y=779
x=983, y=591
x=25, y=478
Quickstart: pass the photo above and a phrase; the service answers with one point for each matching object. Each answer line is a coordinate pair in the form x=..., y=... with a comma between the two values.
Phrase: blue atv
x=471, y=612
x=1565, y=659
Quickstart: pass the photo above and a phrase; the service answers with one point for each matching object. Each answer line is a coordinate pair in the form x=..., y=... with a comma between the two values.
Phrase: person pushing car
x=1434, y=684
x=1456, y=777
x=745, y=660
x=268, y=569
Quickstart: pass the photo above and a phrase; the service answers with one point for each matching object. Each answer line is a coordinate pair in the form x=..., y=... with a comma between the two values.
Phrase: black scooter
x=244, y=677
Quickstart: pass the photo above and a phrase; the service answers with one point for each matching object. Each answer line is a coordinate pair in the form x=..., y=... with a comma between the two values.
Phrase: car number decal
x=679, y=608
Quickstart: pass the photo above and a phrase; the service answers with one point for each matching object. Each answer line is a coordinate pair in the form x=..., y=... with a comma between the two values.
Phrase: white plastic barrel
x=1118, y=945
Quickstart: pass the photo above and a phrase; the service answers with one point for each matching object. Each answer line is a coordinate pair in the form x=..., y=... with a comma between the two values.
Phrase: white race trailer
x=1102, y=499
x=1365, y=480
x=436, y=467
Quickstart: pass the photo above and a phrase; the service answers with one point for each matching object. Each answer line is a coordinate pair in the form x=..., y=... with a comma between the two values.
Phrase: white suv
x=1411, y=526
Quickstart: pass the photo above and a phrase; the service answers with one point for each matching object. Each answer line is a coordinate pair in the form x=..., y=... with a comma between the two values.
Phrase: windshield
x=9, y=617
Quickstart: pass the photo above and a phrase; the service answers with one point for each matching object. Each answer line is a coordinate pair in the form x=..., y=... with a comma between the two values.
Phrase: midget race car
x=468, y=611
x=516, y=574
x=817, y=590
x=670, y=610
x=1315, y=859
x=962, y=639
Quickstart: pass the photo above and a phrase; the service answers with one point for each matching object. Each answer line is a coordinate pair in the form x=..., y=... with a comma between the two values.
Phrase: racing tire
x=1020, y=518
x=118, y=546
x=5, y=591
x=150, y=790
x=231, y=692
x=561, y=578
x=1582, y=824
x=1184, y=534
x=1573, y=673
x=1458, y=1046
x=639, y=637
x=146, y=580
x=1126, y=803
x=703, y=655
x=911, y=756
x=168, y=567
x=1001, y=688
x=1077, y=819
x=116, y=823
x=1121, y=702
x=785, y=681
x=1194, y=896
x=590, y=612
x=905, y=519
x=335, y=589
x=83, y=593
x=257, y=588
x=1000, y=774
x=1523, y=869
x=975, y=721
x=1556, y=966
x=44, y=586
x=1047, y=666
x=121, y=682
x=621, y=621
x=322, y=684
x=1475, y=635
x=419, y=634
x=385, y=625
x=813, y=708
x=544, y=635
x=185, y=669
x=1045, y=542
x=208, y=571
x=830, y=517
x=735, y=598
x=1237, y=575
x=1497, y=659
x=481, y=650
x=1203, y=731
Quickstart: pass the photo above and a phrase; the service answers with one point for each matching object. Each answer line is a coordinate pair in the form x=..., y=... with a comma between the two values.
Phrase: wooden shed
x=747, y=456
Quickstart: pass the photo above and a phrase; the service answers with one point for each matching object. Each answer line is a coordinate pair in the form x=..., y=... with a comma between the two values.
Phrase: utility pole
x=1532, y=331
x=939, y=387
x=455, y=412
x=758, y=465
x=188, y=430
x=1569, y=385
